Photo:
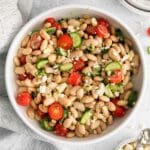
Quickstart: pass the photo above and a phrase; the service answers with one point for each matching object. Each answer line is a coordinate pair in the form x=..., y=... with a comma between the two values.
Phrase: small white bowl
x=71, y=11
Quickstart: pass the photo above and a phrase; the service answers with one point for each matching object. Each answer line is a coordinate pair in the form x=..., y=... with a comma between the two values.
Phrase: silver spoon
x=143, y=139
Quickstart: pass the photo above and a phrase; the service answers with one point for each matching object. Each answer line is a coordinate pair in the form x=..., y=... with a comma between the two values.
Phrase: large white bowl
x=70, y=11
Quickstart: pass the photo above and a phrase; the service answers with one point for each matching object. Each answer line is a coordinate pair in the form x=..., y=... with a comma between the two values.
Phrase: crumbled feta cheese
x=76, y=58
x=125, y=58
x=44, y=78
x=42, y=89
x=116, y=94
x=71, y=29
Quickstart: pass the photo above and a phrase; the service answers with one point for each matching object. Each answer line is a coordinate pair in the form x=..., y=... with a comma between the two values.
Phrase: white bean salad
x=74, y=75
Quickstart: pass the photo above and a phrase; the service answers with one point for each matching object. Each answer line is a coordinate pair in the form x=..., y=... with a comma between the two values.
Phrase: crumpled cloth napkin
x=13, y=14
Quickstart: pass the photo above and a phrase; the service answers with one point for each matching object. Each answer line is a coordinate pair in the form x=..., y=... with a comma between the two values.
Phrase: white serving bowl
x=70, y=11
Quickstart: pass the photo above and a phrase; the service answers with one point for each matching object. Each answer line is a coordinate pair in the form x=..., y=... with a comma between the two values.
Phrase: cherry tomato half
x=117, y=77
x=91, y=30
x=36, y=40
x=22, y=60
x=120, y=111
x=55, y=111
x=24, y=98
x=74, y=78
x=50, y=20
x=101, y=30
x=65, y=42
x=78, y=64
x=57, y=25
x=60, y=130
x=103, y=22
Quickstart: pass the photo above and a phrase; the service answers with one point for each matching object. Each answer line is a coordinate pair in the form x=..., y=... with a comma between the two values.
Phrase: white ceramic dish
x=70, y=11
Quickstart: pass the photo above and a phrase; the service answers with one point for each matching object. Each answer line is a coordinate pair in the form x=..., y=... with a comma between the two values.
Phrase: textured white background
x=10, y=21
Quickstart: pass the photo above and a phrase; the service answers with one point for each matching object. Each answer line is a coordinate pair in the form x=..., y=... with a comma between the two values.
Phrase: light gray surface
x=23, y=136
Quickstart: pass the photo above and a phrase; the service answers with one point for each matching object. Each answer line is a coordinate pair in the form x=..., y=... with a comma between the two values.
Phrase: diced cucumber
x=108, y=91
x=61, y=87
x=86, y=116
x=61, y=52
x=96, y=70
x=66, y=66
x=51, y=30
x=132, y=98
x=115, y=65
x=41, y=63
x=44, y=123
x=76, y=39
x=115, y=87
x=120, y=35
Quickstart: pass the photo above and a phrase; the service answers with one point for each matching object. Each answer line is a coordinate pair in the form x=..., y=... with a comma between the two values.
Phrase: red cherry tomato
x=65, y=42
x=91, y=30
x=57, y=25
x=22, y=60
x=101, y=30
x=55, y=111
x=24, y=98
x=120, y=111
x=60, y=130
x=148, y=31
x=22, y=77
x=78, y=64
x=74, y=78
x=50, y=20
x=117, y=77
x=36, y=41
x=103, y=22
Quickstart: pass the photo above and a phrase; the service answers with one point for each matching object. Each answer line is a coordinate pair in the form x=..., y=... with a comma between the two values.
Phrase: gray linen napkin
x=29, y=9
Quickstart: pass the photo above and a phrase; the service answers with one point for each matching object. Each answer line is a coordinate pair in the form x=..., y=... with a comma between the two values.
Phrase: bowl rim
x=49, y=138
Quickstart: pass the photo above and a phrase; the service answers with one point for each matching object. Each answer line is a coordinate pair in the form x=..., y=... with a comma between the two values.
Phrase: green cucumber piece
x=76, y=39
x=86, y=115
x=61, y=52
x=44, y=124
x=120, y=35
x=51, y=30
x=115, y=87
x=115, y=65
x=148, y=49
x=108, y=91
x=41, y=63
x=66, y=66
x=132, y=98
